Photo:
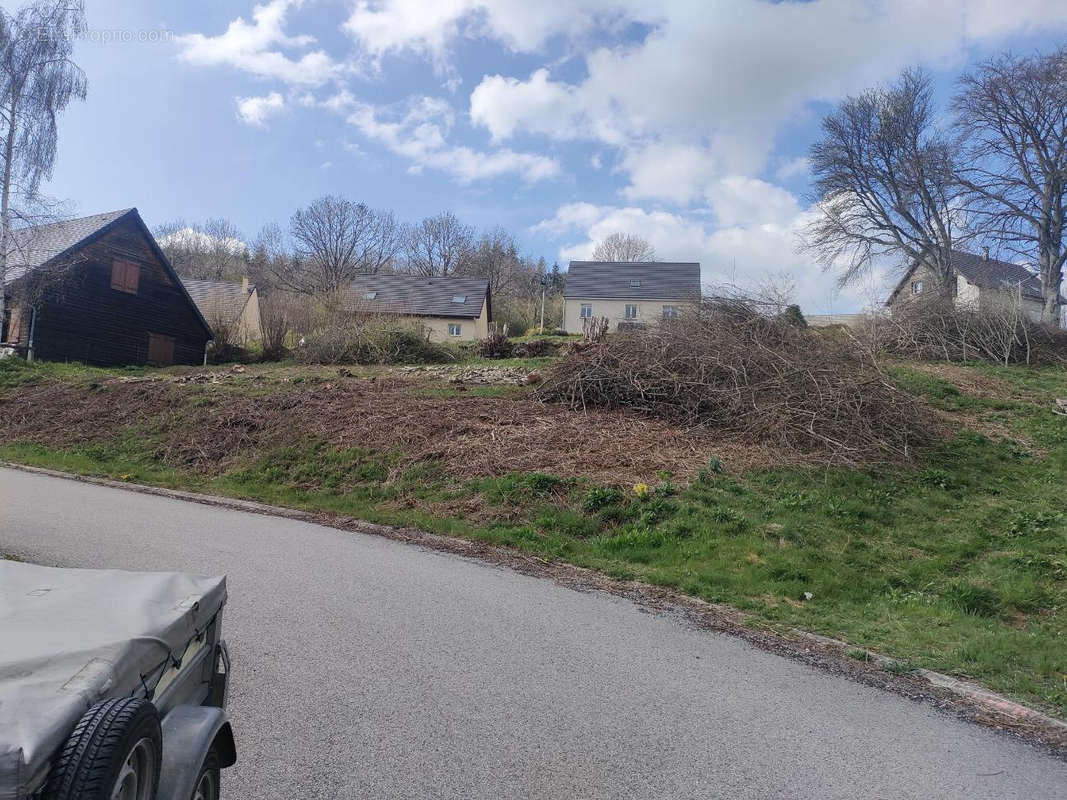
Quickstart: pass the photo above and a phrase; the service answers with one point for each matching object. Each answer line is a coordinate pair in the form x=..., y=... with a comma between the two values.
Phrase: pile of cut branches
x=730, y=369
x=997, y=332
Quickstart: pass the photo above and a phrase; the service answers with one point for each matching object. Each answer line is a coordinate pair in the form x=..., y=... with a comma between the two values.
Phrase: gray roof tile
x=218, y=301
x=659, y=280
x=37, y=245
x=995, y=274
x=418, y=296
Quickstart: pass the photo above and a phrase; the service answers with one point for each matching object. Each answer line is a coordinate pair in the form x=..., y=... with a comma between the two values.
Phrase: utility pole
x=544, y=283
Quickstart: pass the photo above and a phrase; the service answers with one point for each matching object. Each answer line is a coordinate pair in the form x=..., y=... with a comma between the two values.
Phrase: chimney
x=244, y=284
x=985, y=254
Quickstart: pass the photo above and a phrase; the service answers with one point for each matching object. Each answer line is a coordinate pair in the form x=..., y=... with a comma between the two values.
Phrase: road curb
x=964, y=698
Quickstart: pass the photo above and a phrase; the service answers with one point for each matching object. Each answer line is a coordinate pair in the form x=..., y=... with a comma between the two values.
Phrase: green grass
x=958, y=564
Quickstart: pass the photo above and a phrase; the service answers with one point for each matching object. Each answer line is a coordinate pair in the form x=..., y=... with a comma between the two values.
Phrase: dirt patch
x=207, y=428
x=968, y=381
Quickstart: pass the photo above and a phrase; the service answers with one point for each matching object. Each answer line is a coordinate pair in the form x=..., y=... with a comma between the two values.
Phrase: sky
x=683, y=121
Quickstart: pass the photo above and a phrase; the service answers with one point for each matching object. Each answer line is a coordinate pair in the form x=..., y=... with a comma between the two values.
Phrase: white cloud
x=257, y=47
x=669, y=171
x=389, y=26
x=421, y=136
x=706, y=91
x=793, y=167
x=256, y=110
x=740, y=201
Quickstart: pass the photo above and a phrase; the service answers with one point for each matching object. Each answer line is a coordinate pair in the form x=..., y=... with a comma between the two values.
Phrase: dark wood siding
x=82, y=318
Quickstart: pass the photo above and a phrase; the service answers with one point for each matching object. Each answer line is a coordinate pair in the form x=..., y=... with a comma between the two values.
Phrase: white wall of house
x=968, y=295
x=648, y=312
x=442, y=329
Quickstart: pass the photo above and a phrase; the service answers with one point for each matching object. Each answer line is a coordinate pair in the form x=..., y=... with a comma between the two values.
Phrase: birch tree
x=38, y=79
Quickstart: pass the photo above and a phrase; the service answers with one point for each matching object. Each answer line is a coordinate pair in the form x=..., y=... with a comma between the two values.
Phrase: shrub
x=728, y=368
x=373, y=340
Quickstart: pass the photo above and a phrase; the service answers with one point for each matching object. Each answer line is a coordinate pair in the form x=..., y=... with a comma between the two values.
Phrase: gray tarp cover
x=71, y=637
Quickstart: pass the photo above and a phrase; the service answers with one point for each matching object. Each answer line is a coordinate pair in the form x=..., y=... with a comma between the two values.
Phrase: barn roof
x=633, y=280
x=419, y=296
x=34, y=246
x=222, y=301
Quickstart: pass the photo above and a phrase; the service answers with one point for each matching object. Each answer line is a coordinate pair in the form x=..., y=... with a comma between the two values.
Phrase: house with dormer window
x=629, y=294
x=978, y=282
x=449, y=309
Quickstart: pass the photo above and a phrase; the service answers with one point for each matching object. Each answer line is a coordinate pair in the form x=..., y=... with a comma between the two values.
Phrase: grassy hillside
x=956, y=563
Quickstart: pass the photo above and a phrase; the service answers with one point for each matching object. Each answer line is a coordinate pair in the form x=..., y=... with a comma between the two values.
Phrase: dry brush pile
x=209, y=427
x=997, y=333
x=729, y=369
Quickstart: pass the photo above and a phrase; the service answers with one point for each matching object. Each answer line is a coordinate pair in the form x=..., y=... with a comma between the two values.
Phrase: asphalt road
x=367, y=668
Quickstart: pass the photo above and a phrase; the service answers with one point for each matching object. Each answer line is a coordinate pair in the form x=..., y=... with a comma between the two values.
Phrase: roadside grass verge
x=958, y=564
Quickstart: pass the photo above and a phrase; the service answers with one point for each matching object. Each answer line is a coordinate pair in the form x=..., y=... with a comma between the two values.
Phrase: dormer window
x=459, y=299
x=635, y=283
x=370, y=295
x=916, y=287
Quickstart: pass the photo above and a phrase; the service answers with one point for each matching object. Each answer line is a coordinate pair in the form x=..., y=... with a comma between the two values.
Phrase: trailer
x=112, y=685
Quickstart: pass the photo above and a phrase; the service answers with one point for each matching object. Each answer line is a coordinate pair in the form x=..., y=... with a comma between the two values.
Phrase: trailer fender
x=189, y=732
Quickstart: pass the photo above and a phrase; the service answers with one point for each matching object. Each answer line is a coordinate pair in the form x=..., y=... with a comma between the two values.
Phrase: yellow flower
x=641, y=489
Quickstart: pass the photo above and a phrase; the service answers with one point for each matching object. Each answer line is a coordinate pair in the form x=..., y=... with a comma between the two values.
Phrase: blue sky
x=685, y=121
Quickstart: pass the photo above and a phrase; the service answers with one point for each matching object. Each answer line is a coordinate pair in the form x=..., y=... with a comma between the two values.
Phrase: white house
x=629, y=294
x=979, y=281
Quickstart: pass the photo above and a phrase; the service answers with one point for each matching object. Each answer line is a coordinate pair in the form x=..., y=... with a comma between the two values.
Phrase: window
x=670, y=312
x=455, y=329
x=160, y=349
x=587, y=311
x=125, y=275
x=370, y=295
x=459, y=298
x=631, y=312
x=635, y=283
x=916, y=287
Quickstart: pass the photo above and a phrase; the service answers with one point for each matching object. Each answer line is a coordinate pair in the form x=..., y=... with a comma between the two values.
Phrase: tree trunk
x=5, y=201
x=1050, y=287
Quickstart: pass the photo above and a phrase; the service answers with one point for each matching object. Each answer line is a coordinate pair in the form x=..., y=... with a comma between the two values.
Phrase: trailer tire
x=207, y=782
x=115, y=742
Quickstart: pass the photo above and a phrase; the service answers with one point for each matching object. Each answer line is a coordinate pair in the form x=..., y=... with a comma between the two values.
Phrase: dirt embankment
x=208, y=425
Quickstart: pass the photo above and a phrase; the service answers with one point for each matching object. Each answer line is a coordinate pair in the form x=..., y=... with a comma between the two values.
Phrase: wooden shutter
x=160, y=349
x=125, y=276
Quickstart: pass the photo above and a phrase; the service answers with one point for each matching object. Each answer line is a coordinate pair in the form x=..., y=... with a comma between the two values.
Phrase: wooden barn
x=98, y=290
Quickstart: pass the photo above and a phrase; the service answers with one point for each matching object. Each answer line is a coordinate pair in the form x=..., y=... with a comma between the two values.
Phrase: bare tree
x=335, y=239
x=885, y=183
x=437, y=245
x=385, y=241
x=1012, y=115
x=214, y=250
x=38, y=80
x=624, y=247
x=495, y=257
